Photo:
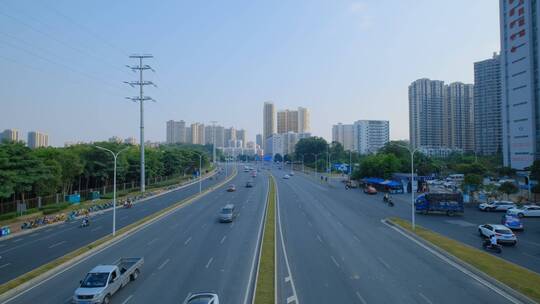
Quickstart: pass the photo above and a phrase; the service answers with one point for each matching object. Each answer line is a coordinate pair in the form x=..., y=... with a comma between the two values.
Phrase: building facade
x=176, y=132
x=344, y=134
x=458, y=116
x=426, y=112
x=230, y=136
x=10, y=135
x=269, y=121
x=487, y=106
x=37, y=139
x=242, y=136
x=304, y=120
x=519, y=21
x=370, y=135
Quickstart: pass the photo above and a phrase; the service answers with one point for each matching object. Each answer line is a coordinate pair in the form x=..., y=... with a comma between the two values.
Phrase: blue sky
x=63, y=62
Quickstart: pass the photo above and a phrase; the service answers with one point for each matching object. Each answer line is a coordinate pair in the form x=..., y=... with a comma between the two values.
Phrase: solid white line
x=359, y=296
x=127, y=300
x=291, y=299
x=223, y=239
x=356, y=238
x=319, y=238
x=209, y=262
x=163, y=264
x=425, y=298
x=284, y=249
x=334, y=260
x=17, y=240
x=57, y=244
x=187, y=241
x=287, y=279
x=5, y=265
x=456, y=265
x=383, y=262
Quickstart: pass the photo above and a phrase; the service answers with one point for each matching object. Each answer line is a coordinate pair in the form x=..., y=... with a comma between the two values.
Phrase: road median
x=29, y=279
x=514, y=279
x=265, y=282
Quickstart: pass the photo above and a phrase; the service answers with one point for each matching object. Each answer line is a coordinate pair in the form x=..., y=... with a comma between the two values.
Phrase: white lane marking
x=187, y=241
x=334, y=260
x=17, y=240
x=57, y=244
x=223, y=239
x=163, y=264
x=383, y=262
x=287, y=279
x=339, y=223
x=127, y=300
x=356, y=238
x=5, y=265
x=455, y=265
x=425, y=298
x=209, y=262
x=359, y=296
x=291, y=299
x=97, y=228
x=319, y=238
x=309, y=223
x=151, y=242
x=294, y=296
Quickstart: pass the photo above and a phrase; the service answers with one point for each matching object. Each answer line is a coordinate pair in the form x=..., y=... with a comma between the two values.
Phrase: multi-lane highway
x=333, y=248
x=21, y=254
x=186, y=251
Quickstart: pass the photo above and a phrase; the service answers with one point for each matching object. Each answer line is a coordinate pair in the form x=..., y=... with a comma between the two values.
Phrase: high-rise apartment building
x=296, y=121
x=304, y=120
x=487, y=106
x=130, y=141
x=258, y=140
x=189, y=135
x=230, y=136
x=344, y=134
x=10, y=135
x=426, y=113
x=519, y=23
x=458, y=116
x=269, y=121
x=241, y=135
x=37, y=139
x=197, y=133
x=176, y=132
x=370, y=135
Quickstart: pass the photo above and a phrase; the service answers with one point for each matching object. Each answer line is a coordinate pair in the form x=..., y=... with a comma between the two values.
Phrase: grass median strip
x=519, y=278
x=119, y=233
x=265, y=279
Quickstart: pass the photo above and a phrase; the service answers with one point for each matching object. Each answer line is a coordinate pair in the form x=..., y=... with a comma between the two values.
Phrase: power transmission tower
x=141, y=99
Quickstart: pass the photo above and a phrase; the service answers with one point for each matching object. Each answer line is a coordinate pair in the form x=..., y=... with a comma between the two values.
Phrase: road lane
x=184, y=256
x=358, y=259
x=29, y=251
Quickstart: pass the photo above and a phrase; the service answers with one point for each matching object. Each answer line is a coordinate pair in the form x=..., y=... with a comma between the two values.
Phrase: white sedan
x=286, y=176
x=497, y=206
x=527, y=210
x=503, y=234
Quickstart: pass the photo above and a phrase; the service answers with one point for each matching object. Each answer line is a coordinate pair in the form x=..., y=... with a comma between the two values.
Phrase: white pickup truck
x=103, y=281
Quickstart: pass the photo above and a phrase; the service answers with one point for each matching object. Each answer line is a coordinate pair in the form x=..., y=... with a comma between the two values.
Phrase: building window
x=521, y=136
x=519, y=104
x=519, y=73
x=520, y=87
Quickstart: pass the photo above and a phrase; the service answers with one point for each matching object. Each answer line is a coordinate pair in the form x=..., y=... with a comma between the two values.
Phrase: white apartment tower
x=344, y=134
x=426, y=113
x=269, y=121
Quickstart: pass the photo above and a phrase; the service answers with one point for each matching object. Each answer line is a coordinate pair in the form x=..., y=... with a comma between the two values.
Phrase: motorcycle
x=128, y=205
x=84, y=223
x=388, y=200
x=493, y=247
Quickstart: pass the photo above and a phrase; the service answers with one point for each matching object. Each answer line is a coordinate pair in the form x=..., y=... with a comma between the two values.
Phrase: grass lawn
x=265, y=282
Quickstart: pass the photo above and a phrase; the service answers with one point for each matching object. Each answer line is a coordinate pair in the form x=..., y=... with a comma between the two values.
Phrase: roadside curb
x=29, y=231
x=103, y=243
x=514, y=293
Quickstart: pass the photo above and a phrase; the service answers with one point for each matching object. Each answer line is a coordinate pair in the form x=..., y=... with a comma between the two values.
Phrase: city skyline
x=346, y=76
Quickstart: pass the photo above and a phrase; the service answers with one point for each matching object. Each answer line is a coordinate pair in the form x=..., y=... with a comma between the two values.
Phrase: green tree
x=278, y=157
x=508, y=188
x=472, y=180
x=379, y=165
x=309, y=147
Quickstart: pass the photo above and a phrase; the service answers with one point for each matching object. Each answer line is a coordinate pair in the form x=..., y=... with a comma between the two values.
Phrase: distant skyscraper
x=37, y=139
x=241, y=135
x=269, y=121
x=115, y=139
x=344, y=134
x=426, y=113
x=370, y=135
x=282, y=121
x=130, y=141
x=230, y=136
x=197, y=133
x=458, y=116
x=258, y=140
x=10, y=135
x=519, y=23
x=176, y=132
x=487, y=106
x=304, y=120
x=189, y=136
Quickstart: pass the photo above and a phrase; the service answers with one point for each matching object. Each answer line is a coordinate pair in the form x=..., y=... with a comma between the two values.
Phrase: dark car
x=249, y=184
x=231, y=188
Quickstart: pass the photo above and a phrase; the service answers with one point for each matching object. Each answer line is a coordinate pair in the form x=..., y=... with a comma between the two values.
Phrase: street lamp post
x=115, y=156
x=200, y=171
x=412, y=151
x=303, y=164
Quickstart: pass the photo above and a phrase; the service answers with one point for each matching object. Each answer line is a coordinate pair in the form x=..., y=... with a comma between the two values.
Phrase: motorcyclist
x=386, y=197
x=493, y=241
x=86, y=221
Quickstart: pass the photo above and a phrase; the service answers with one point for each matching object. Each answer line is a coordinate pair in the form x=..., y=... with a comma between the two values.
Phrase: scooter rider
x=386, y=197
x=86, y=221
x=493, y=240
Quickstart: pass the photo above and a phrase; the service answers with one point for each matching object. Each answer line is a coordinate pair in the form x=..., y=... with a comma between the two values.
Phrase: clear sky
x=62, y=62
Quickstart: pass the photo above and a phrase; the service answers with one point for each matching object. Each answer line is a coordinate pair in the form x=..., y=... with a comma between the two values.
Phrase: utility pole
x=214, y=141
x=141, y=99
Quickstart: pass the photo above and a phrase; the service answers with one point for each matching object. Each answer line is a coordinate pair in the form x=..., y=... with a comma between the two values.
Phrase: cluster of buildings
x=500, y=112
x=363, y=136
x=230, y=140
x=282, y=130
x=115, y=139
x=35, y=139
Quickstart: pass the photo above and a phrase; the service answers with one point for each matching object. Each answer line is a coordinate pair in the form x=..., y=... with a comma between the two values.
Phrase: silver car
x=226, y=215
x=202, y=298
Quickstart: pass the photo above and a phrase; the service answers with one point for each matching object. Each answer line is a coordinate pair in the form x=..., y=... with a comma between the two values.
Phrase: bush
x=8, y=216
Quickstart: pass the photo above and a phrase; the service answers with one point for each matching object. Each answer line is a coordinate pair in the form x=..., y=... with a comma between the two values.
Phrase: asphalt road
x=463, y=228
x=187, y=251
x=21, y=254
x=337, y=250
